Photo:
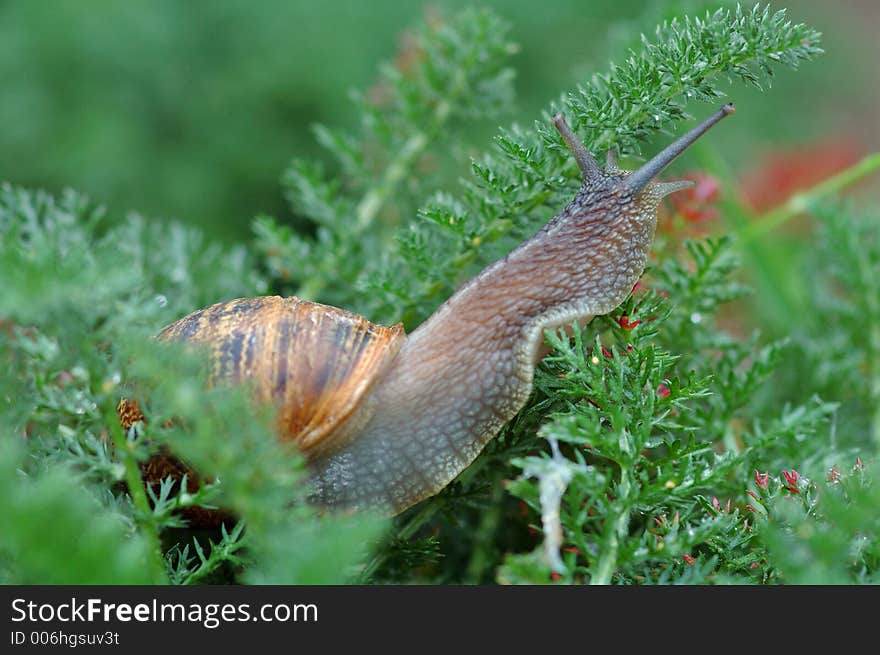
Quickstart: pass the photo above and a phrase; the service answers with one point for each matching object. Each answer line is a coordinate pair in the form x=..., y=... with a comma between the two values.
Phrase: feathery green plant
x=652, y=451
x=75, y=334
x=446, y=73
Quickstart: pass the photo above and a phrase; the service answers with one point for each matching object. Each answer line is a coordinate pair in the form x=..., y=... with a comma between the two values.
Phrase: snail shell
x=313, y=362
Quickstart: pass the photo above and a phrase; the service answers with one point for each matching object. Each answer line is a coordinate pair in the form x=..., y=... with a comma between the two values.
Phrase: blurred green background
x=191, y=110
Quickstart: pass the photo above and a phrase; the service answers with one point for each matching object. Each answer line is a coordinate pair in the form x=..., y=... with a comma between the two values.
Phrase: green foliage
x=650, y=438
x=823, y=531
x=645, y=93
x=661, y=444
x=449, y=72
x=41, y=509
x=841, y=345
x=75, y=338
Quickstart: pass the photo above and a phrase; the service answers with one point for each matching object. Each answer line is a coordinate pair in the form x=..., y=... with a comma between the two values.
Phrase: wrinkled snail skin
x=386, y=420
x=467, y=371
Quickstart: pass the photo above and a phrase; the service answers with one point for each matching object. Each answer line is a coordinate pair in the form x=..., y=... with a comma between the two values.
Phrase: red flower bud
x=762, y=479
x=625, y=323
x=695, y=204
x=791, y=480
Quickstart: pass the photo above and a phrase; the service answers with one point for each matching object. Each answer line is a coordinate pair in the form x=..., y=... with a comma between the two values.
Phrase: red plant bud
x=762, y=479
x=695, y=204
x=791, y=480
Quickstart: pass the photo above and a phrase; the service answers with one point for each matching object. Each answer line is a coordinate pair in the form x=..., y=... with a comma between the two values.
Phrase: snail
x=385, y=419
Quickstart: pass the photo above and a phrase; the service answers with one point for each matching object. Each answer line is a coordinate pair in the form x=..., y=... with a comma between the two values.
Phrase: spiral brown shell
x=313, y=362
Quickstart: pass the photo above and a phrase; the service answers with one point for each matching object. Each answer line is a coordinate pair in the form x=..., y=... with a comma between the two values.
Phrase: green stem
x=483, y=538
x=801, y=202
x=618, y=526
x=144, y=514
x=374, y=199
x=779, y=294
x=421, y=517
x=767, y=271
x=372, y=202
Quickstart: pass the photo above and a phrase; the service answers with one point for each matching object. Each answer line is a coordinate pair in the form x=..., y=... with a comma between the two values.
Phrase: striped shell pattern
x=313, y=362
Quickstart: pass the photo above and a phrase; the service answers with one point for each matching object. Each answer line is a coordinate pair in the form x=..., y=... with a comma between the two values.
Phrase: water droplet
x=696, y=317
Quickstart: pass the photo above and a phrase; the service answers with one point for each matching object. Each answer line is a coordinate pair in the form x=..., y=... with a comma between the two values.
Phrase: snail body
x=385, y=419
